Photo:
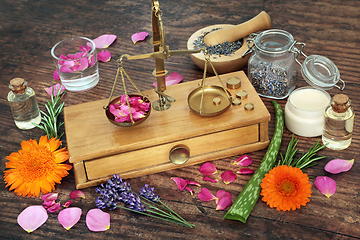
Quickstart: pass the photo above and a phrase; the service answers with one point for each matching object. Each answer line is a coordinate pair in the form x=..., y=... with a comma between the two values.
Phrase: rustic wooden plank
x=29, y=29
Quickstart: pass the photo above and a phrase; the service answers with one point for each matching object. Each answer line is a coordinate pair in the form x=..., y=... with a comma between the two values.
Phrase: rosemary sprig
x=49, y=121
x=306, y=160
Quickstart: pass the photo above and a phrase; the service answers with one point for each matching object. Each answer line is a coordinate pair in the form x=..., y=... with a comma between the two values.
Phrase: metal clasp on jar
x=250, y=43
x=317, y=70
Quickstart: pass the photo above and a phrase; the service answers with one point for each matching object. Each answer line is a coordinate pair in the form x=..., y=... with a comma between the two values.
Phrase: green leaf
x=49, y=121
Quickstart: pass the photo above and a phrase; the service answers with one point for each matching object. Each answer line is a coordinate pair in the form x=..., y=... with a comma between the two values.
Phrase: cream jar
x=304, y=111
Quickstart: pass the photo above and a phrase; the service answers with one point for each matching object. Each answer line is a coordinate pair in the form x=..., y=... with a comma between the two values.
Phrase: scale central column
x=159, y=44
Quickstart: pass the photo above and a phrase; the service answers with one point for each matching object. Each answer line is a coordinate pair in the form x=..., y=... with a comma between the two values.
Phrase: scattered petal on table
x=77, y=194
x=69, y=217
x=206, y=178
x=205, y=195
x=326, y=185
x=245, y=171
x=194, y=183
x=190, y=190
x=244, y=161
x=181, y=183
x=97, y=220
x=32, y=217
x=228, y=176
x=67, y=204
x=208, y=169
x=140, y=36
x=339, y=165
x=223, y=203
x=54, y=208
x=48, y=204
x=104, y=56
x=50, y=196
x=220, y=194
x=173, y=79
x=104, y=41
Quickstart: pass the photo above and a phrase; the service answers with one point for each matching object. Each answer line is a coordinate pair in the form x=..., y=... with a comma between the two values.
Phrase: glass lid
x=320, y=72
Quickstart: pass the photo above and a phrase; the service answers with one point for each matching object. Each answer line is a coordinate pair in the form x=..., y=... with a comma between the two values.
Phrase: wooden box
x=98, y=149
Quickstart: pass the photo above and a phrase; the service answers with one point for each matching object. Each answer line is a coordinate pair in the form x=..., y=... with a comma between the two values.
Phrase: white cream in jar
x=304, y=111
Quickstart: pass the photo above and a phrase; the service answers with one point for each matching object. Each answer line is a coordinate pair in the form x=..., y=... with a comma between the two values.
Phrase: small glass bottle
x=272, y=68
x=23, y=104
x=339, y=122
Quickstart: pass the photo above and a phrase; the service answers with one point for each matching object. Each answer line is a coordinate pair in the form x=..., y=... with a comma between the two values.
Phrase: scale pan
x=215, y=101
x=111, y=117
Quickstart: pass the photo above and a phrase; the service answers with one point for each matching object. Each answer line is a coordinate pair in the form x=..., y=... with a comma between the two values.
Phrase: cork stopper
x=17, y=85
x=340, y=103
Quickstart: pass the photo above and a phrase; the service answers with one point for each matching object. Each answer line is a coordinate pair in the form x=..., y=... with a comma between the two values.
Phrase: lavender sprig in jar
x=272, y=68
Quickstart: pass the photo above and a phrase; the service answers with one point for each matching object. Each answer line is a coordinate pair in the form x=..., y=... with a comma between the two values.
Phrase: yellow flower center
x=287, y=187
x=36, y=165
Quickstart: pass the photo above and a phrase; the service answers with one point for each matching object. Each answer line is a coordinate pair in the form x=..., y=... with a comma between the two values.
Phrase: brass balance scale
x=182, y=131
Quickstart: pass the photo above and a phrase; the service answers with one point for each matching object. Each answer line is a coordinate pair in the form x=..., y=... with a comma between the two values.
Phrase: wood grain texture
x=28, y=30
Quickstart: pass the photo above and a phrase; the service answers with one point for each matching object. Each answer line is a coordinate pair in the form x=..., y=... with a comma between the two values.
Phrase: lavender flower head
x=149, y=193
x=132, y=200
x=117, y=190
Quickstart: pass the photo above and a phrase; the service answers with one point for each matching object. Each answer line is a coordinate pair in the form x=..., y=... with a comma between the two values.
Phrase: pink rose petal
x=92, y=60
x=339, y=165
x=228, y=176
x=53, y=90
x=81, y=65
x=56, y=75
x=67, y=204
x=32, y=218
x=48, y=204
x=190, y=190
x=54, y=208
x=208, y=169
x=84, y=48
x=104, y=56
x=206, y=178
x=223, y=203
x=220, y=194
x=104, y=41
x=77, y=194
x=49, y=196
x=69, y=217
x=206, y=195
x=326, y=185
x=181, y=183
x=64, y=69
x=245, y=171
x=97, y=220
x=244, y=161
x=173, y=79
x=194, y=183
x=140, y=36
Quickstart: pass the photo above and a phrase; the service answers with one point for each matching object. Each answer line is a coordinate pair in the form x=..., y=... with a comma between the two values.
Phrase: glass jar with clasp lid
x=272, y=67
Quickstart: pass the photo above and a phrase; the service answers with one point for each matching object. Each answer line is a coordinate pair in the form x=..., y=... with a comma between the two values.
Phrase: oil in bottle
x=23, y=104
x=339, y=122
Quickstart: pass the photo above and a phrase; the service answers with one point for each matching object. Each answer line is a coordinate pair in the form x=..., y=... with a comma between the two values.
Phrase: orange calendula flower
x=36, y=167
x=286, y=188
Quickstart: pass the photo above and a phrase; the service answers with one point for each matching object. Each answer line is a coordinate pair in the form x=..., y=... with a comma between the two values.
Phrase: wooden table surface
x=28, y=30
